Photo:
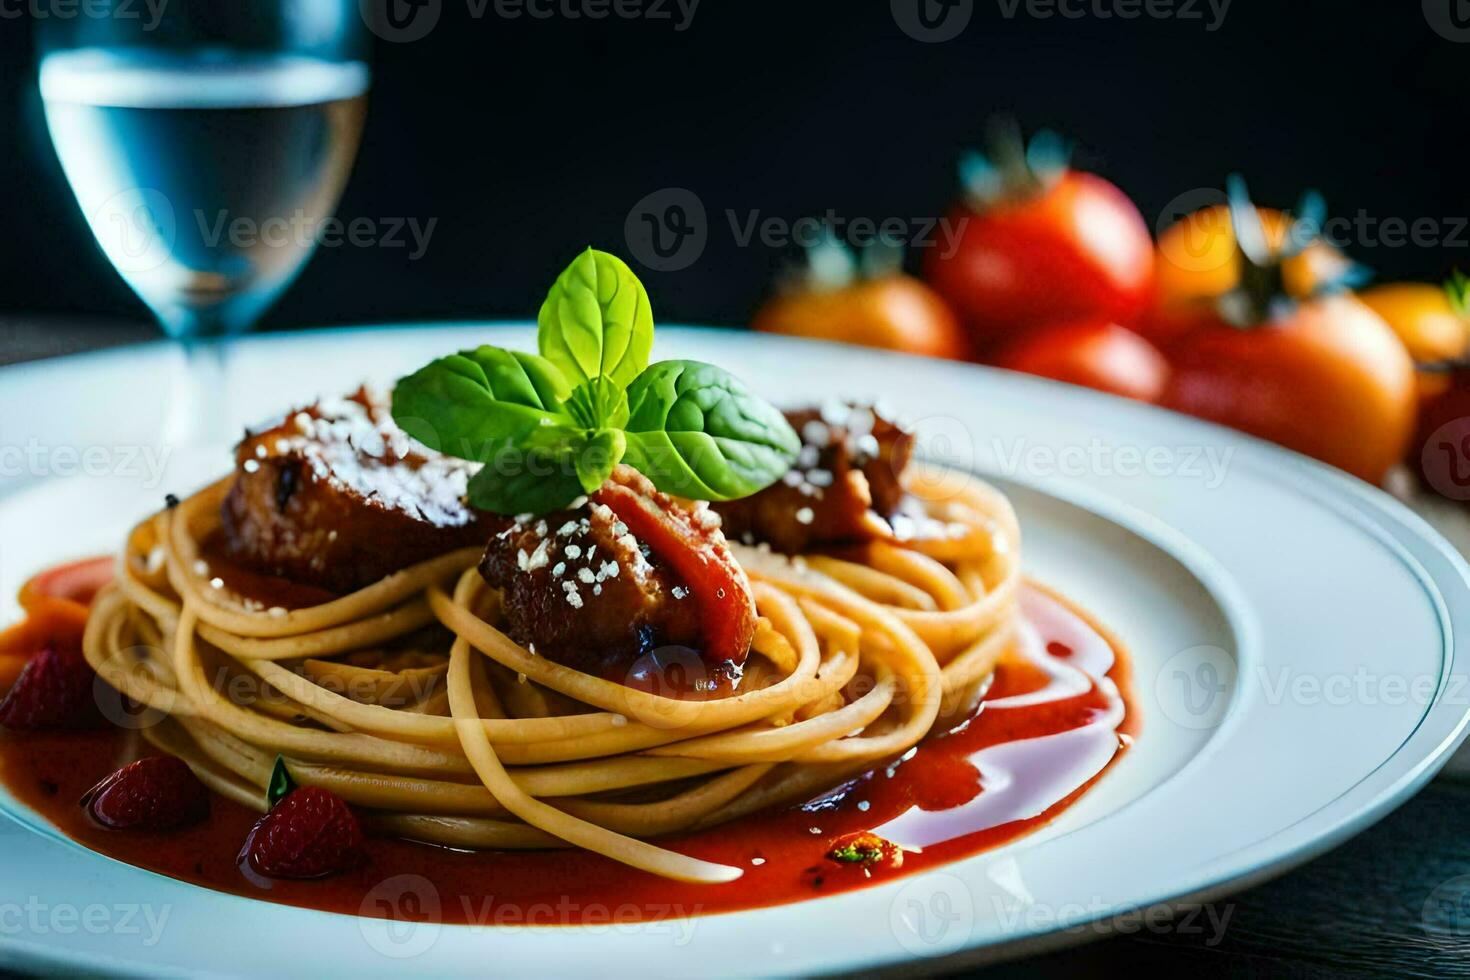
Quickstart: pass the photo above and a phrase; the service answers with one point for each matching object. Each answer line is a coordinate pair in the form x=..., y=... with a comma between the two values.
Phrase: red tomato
x=1440, y=450
x=1093, y=353
x=1329, y=379
x=56, y=603
x=77, y=582
x=1076, y=249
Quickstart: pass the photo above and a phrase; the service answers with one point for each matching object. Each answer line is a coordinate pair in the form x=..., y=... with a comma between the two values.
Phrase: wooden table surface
x=1392, y=902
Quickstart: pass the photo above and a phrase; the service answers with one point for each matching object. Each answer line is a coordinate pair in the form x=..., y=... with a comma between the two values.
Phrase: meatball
x=849, y=472
x=618, y=575
x=336, y=496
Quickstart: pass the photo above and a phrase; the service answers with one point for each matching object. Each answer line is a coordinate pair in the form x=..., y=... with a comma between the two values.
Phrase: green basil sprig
x=704, y=433
x=596, y=321
x=551, y=427
x=280, y=786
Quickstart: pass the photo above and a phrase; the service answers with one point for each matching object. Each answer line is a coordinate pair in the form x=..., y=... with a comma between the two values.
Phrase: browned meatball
x=577, y=588
x=849, y=472
x=336, y=496
x=583, y=588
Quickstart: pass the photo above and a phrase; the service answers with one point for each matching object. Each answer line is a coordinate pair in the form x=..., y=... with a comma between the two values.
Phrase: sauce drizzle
x=1055, y=717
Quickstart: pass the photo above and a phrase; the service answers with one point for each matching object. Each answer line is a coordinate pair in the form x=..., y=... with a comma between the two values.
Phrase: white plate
x=1292, y=633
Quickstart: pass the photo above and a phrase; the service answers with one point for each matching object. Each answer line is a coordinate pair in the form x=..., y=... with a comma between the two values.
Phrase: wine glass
x=207, y=142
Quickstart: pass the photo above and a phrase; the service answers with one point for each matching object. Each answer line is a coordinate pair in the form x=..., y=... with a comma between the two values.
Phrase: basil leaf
x=698, y=432
x=472, y=404
x=550, y=428
x=596, y=321
x=598, y=403
x=546, y=470
x=597, y=457
x=280, y=786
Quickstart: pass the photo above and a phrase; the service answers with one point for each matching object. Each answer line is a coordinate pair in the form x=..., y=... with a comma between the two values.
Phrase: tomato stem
x=831, y=264
x=1009, y=169
x=1457, y=288
x=1260, y=294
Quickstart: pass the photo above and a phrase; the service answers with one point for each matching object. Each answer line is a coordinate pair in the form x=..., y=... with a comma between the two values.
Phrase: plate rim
x=1388, y=521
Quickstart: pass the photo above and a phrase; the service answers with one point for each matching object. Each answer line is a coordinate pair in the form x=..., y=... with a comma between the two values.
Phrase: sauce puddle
x=1055, y=717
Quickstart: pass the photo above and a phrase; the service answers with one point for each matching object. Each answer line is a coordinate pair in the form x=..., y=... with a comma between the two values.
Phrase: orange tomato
x=50, y=621
x=1197, y=258
x=1329, y=379
x=1428, y=324
x=895, y=312
x=1093, y=353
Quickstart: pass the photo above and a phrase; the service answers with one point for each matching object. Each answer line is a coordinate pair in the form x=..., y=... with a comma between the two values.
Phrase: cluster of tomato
x=1237, y=314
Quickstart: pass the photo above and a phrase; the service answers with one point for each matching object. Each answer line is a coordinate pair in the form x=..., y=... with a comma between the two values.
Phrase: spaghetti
x=407, y=698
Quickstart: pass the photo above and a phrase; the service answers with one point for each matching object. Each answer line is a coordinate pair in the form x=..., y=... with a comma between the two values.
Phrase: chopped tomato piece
x=718, y=584
x=78, y=581
x=56, y=603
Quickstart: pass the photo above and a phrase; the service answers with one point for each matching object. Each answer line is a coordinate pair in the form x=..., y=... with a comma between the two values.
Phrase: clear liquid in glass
x=206, y=176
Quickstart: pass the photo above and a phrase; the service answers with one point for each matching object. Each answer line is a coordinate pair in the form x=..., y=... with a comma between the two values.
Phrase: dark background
x=528, y=139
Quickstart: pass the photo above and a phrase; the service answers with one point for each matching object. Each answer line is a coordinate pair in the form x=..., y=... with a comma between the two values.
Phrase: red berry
x=156, y=793
x=310, y=833
x=54, y=690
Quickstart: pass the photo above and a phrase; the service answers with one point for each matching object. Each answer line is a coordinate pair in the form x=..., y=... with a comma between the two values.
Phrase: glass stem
x=197, y=411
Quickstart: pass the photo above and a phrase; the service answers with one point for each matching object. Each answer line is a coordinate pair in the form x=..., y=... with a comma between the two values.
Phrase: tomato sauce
x=265, y=591
x=1054, y=719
